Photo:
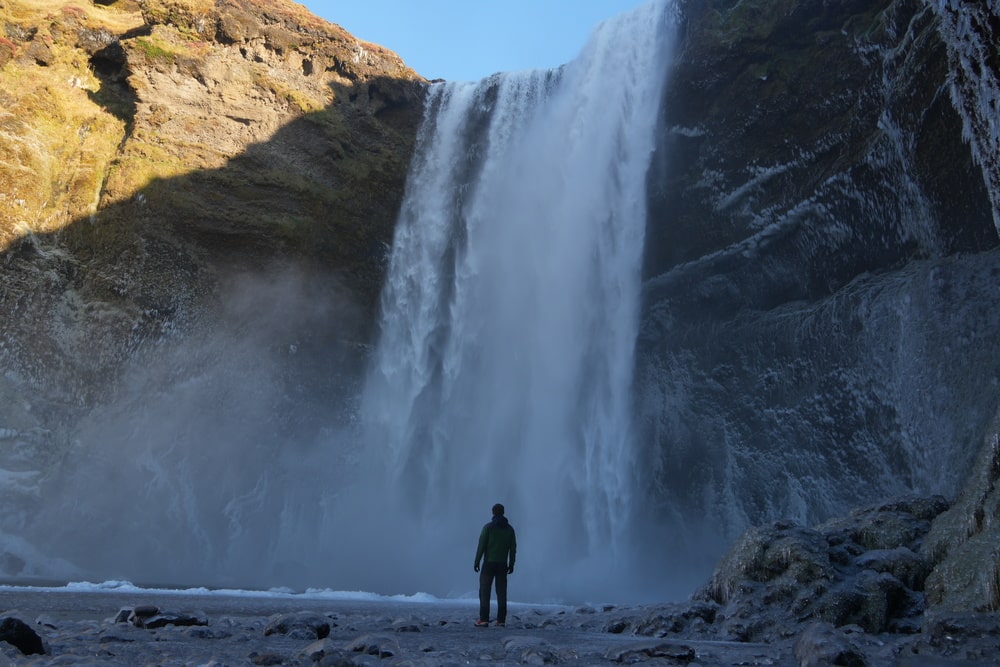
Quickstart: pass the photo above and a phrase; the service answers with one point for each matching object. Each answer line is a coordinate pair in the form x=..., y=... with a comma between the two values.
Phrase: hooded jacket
x=497, y=542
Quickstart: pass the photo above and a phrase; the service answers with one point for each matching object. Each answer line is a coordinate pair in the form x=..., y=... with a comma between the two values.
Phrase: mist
x=206, y=463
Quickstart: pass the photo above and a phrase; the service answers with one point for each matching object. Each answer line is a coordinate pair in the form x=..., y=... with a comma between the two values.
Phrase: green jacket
x=497, y=542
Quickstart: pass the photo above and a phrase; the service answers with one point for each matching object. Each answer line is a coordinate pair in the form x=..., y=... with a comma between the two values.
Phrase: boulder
x=19, y=634
x=383, y=646
x=138, y=615
x=822, y=645
x=862, y=570
x=300, y=625
x=164, y=619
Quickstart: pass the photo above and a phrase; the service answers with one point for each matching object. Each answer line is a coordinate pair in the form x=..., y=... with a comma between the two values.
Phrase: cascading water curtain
x=504, y=367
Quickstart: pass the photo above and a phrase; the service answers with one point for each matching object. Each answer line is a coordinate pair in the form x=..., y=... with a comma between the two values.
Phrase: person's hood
x=500, y=522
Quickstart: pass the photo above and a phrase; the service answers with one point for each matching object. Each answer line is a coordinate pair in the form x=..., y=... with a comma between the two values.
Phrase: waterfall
x=504, y=367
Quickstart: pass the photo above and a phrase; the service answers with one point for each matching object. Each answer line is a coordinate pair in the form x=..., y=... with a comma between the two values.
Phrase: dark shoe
x=501, y=624
x=482, y=624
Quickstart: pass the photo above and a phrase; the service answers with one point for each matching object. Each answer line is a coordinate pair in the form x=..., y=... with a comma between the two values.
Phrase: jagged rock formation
x=864, y=570
x=857, y=590
x=822, y=260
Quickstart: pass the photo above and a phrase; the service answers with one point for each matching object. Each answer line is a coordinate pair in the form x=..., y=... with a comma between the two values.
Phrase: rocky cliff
x=822, y=262
x=186, y=175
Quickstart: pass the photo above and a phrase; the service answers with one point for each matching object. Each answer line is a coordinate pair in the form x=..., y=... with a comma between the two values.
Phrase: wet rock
x=379, y=645
x=323, y=649
x=864, y=569
x=267, y=658
x=164, y=619
x=780, y=553
x=530, y=650
x=300, y=625
x=968, y=625
x=821, y=645
x=204, y=632
x=676, y=620
x=948, y=637
x=899, y=523
x=670, y=652
x=117, y=635
x=138, y=615
x=617, y=627
x=869, y=600
x=902, y=563
x=19, y=634
x=405, y=626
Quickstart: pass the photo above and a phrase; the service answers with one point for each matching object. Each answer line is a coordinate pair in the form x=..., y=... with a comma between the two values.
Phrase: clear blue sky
x=470, y=39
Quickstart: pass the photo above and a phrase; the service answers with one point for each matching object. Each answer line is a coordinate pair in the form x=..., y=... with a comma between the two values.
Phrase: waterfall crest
x=504, y=367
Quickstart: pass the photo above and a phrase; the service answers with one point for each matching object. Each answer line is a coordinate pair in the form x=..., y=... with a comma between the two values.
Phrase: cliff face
x=153, y=155
x=146, y=147
x=821, y=269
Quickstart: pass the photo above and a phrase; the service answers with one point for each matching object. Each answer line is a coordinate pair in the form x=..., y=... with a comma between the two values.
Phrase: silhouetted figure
x=497, y=549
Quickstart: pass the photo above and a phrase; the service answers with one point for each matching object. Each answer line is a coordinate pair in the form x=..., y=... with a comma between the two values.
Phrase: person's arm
x=481, y=549
x=513, y=552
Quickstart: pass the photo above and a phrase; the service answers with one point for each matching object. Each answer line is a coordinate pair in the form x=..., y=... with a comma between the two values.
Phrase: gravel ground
x=138, y=628
x=80, y=628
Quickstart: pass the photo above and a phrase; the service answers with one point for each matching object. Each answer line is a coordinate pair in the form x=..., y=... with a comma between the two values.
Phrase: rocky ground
x=102, y=628
x=856, y=591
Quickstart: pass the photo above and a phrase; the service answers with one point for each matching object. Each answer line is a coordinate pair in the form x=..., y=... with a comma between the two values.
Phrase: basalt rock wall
x=822, y=264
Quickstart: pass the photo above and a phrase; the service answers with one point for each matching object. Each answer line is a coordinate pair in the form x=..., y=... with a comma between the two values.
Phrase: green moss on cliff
x=752, y=19
x=154, y=51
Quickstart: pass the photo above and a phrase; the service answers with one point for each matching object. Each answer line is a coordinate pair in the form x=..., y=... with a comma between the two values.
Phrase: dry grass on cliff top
x=118, y=18
x=56, y=141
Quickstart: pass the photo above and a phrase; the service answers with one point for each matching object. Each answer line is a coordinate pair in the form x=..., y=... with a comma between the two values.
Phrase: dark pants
x=489, y=573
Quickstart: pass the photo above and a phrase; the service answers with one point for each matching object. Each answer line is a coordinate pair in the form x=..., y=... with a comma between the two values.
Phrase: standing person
x=497, y=549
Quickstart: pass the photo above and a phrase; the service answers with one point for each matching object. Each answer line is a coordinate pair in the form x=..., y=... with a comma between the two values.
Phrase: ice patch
x=122, y=586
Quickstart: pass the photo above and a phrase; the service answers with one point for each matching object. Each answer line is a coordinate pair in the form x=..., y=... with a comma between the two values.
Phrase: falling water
x=504, y=367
